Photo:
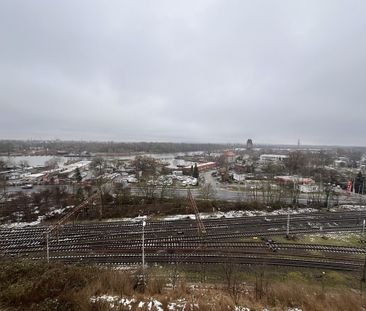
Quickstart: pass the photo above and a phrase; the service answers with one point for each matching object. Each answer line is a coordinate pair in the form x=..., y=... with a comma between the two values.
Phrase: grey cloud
x=215, y=71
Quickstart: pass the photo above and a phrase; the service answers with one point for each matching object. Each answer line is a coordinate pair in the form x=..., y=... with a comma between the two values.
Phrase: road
x=234, y=196
x=220, y=193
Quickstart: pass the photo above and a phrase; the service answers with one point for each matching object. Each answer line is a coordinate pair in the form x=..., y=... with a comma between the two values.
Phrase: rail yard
x=242, y=240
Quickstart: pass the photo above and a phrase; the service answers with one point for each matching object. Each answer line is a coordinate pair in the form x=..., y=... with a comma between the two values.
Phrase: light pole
x=361, y=192
x=47, y=248
x=328, y=193
x=288, y=225
x=143, y=249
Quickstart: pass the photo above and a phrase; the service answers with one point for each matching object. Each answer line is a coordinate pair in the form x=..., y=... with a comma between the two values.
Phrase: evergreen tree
x=79, y=196
x=195, y=171
x=359, y=183
x=78, y=176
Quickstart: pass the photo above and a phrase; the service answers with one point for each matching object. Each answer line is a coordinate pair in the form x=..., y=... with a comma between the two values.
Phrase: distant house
x=363, y=159
x=266, y=158
x=308, y=188
x=229, y=157
x=341, y=162
x=239, y=177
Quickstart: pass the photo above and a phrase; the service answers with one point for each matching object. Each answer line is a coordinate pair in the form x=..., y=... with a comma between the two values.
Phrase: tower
x=249, y=144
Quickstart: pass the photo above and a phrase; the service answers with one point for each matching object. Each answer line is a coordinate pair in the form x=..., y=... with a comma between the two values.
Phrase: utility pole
x=363, y=227
x=288, y=225
x=363, y=278
x=361, y=194
x=47, y=248
x=364, y=271
x=328, y=191
x=143, y=250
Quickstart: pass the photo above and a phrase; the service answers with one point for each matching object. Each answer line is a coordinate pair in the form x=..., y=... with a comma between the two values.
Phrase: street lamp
x=143, y=248
x=328, y=193
x=47, y=248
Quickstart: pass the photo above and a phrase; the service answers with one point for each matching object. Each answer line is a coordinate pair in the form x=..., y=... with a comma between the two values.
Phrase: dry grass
x=312, y=297
x=37, y=286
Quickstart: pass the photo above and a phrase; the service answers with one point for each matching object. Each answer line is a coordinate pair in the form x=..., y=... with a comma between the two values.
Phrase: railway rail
x=119, y=243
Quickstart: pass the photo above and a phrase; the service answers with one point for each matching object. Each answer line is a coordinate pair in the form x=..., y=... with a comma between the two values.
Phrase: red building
x=202, y=167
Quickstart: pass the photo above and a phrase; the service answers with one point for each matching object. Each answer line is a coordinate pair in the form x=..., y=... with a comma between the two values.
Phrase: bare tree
x=281, y=193
x=268, y=193
x=173, y=274
x=148, y=188
x=59, y=195
x=273, y=169
x=230, y=273
x=146, y=165
x=2, y=180
x=254, y=192
x=123, y=193
x=259, y=284
x=53, y=163
x=296, y=162
x=148, y=182
x=97, y=166
x=207, y=192
x=164, y=190
x=104, y=189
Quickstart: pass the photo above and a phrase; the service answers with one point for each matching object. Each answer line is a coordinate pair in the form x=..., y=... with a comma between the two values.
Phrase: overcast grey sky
x=186, y=71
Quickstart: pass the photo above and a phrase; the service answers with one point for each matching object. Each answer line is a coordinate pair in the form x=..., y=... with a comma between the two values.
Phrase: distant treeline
x=52, y=147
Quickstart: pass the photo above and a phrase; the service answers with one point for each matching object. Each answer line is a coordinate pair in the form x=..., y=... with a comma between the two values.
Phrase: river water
x=32, y=160
x=41, y=160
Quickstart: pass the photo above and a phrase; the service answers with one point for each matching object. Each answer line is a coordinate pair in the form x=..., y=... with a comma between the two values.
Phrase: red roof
x=229, y=154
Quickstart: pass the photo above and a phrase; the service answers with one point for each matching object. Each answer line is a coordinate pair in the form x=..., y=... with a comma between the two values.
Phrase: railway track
x=253, y=259
x=177, y=241
x=123, y=246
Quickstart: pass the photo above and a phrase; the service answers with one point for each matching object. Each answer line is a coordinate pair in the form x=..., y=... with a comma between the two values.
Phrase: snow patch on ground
x=134, y=220
x=53, y=212
x=341, y=236
x=23, y=224
x=247, y=309
x=217, y=215
x=114, y=301
x=235, y=214
x=118, y=302
x=155, y=305
x=348, y=207
x=58, y=211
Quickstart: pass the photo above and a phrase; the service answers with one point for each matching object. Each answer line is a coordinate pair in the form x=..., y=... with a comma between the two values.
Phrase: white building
x=239, y=177
x=265, y=158
x=308, y=188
